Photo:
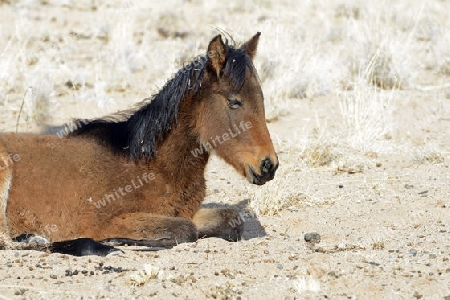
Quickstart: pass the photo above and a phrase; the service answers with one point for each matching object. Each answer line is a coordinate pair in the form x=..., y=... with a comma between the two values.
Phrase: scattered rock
x=292, y=208
x=312, y=237
x=20, y=292
x=413, y=252
x=423, y=193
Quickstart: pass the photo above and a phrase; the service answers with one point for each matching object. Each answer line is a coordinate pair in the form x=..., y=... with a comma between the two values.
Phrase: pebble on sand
x=312, y=237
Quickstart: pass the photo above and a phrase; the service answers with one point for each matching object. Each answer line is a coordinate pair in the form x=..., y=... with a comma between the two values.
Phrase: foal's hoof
x=114, y=253
x=82, y=247
x=224, y=223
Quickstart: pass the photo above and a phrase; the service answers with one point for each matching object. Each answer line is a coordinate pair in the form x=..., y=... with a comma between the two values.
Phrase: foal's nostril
x=266, y=165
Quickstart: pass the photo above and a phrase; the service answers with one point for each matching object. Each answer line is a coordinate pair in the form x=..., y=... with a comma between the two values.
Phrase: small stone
x=413, y=252
x=280, y=266
x=53, y=276
x=341, y=186
x=423, y=193
x=292, y=208
x=312, y=237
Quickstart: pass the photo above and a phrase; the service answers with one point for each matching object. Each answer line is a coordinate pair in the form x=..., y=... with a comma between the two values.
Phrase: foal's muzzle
x=267, y=169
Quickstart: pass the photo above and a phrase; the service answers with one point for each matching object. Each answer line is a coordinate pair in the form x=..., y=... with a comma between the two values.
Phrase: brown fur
x=52, y=190
x=5, y=183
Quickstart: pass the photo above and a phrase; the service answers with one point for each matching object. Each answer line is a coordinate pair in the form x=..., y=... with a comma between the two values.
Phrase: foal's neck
x=181, y=166
x=181, y=151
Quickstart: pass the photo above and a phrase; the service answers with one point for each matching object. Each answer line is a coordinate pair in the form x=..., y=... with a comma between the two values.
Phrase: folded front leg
x=149, y=230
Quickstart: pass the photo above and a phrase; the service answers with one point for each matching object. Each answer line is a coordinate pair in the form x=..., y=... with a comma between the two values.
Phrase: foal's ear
x=217, y=54
x=251, y=45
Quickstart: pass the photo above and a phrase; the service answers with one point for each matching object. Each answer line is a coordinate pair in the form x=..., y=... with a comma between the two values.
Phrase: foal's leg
x=141, y=229
x=149, y=230
x=220, y=222
x=82, y=247
x=77, y=247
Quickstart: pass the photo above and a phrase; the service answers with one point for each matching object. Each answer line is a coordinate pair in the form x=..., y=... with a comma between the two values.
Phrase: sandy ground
x=382, y=211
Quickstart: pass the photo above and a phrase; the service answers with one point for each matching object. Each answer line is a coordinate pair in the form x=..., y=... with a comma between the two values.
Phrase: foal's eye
x=234, y=103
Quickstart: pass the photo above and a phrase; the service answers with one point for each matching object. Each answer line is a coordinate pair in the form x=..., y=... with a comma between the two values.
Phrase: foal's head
x=231, y=117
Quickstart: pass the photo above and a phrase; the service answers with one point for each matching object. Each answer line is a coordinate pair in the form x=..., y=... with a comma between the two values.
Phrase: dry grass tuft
x=5, y=241
x=428, y=154
x=143, y=276
x=379, y=245
x=366, y=111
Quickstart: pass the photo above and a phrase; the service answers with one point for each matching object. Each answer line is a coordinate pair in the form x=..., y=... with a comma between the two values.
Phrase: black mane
x=136, y=133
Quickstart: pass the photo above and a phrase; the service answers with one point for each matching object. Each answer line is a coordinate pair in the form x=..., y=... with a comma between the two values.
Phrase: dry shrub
x=5, y=241
x=366, y=111
x=428, y=154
